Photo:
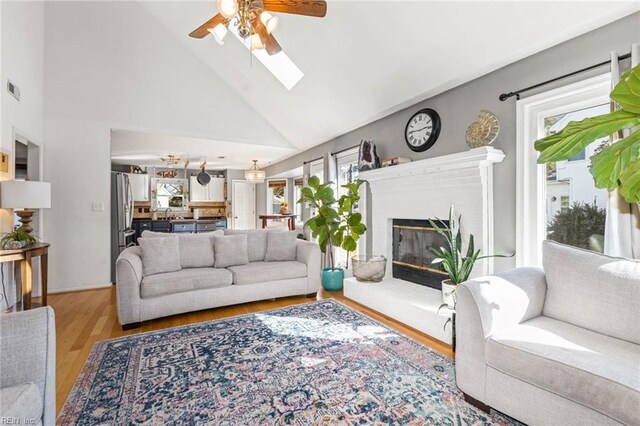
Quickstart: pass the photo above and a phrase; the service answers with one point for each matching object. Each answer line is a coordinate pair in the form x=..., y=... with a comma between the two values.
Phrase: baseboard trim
x=77, y=289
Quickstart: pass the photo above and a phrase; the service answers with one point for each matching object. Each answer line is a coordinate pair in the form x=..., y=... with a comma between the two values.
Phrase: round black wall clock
x=422, y=130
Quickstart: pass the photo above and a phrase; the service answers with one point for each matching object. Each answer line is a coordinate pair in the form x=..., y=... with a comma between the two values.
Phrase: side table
x=23, y=271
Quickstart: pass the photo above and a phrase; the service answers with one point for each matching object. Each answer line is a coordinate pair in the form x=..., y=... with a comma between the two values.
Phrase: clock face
x=422, y=130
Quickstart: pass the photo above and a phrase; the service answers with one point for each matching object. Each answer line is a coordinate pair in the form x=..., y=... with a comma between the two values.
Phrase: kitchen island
x=183, y=226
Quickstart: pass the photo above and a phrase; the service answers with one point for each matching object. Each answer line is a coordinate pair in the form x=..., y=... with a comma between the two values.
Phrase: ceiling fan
x=254, y=21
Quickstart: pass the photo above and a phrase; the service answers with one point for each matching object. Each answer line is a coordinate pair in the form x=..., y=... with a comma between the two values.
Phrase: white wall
x=111, y=65
x=21, y=61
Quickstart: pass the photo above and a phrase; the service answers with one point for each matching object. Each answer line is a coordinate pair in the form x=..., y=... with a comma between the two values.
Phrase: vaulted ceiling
x=366, y=59
x=133, y=65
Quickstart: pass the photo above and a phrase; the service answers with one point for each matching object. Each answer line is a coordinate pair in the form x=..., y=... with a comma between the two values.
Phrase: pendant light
x=255, y=174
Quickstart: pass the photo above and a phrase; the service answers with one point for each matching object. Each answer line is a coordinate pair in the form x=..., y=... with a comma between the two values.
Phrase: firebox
x=412, y=257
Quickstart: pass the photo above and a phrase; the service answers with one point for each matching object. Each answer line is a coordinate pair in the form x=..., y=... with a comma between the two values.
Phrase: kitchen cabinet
x=139, y=186
x=213, y=192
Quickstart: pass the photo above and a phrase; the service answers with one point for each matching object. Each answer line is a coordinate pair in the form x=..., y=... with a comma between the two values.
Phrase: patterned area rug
x=317, y=363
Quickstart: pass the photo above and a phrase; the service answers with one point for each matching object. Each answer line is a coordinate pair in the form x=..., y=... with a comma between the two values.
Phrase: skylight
x=279, y=64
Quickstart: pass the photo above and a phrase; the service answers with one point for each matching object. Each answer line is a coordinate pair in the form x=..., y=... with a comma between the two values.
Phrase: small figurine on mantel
x=368, y=157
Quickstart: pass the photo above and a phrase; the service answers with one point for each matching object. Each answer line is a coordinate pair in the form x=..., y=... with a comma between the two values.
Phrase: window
x=298, y=183
x=347, y=168
x=558, y=201
x=276, y=195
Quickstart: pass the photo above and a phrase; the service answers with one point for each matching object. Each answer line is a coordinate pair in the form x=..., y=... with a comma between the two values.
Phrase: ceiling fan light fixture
x=256, y=42
x=255, y=174
x=219, y=32
x=228, y=8
x=269, y=21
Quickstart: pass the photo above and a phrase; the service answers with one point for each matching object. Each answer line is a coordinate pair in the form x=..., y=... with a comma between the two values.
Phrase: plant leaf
x=630, y=182
x=577, y=135
x=354, y=219
x=608, y=164
x=627, y=91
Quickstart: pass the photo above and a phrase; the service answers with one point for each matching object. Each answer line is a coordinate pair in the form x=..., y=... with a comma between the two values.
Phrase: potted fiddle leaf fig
x=456, y=262
x=617, y=165
x=335, y=223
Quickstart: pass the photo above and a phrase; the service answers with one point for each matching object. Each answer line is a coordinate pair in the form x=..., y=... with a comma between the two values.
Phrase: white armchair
x=553, y=346
x=28, y=367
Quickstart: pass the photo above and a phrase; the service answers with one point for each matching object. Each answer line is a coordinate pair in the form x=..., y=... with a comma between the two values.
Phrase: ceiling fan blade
x=297, y=7
x=202, y=30
x=270, y=44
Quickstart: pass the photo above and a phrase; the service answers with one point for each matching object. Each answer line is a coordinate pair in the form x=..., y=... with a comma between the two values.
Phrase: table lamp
x=25, y=196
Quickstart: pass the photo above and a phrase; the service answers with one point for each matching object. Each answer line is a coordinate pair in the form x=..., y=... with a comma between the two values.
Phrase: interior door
x=243, y=205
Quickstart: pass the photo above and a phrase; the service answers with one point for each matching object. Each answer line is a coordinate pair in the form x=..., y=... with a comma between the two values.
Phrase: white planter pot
x=449, y=294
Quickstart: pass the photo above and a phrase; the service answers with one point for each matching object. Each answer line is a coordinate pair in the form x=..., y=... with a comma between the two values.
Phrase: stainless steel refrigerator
x=122, y=233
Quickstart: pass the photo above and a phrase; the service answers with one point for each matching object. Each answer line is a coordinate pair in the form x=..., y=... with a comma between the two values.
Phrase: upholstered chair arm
x=309, y=254
x=128, y=280
x=28, y=354
x=486, y=306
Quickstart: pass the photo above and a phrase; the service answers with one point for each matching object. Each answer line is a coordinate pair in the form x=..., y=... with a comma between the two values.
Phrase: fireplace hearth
x=412, y=257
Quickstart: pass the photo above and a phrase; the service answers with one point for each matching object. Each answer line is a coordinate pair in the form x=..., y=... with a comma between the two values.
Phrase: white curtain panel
x=330, y=175
x=304, y=211
x=622, y=227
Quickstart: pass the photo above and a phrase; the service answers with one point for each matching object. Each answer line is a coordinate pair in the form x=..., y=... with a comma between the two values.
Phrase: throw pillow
x=281, y=246
x=230, y=250
x=160, y=255
x=196, y=250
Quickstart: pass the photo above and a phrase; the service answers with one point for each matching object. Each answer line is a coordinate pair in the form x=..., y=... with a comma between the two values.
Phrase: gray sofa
x=28, y=367
x=193, y=287
x=559, y=345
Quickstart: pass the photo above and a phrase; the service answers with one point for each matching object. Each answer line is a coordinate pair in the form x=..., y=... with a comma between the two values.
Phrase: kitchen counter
x=180, y=226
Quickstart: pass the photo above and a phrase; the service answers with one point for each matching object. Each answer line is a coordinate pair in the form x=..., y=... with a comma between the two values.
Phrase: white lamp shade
x=24, y=194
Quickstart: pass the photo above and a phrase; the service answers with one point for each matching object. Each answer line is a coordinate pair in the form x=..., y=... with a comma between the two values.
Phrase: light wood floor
x=86, y=317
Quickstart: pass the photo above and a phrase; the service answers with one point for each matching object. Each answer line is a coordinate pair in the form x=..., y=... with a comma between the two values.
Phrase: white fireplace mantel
x=474, y=158
x=424, y=189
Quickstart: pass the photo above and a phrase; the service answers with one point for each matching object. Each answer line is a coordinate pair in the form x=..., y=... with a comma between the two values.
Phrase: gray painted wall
x=458, y=108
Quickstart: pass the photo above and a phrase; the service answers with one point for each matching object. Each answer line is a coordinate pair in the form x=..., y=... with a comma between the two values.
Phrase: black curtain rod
x=311, y=161
x=503, y=97
x=346, y=149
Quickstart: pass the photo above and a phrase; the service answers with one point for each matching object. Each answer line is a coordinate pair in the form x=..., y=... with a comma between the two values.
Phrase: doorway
x=243, y=205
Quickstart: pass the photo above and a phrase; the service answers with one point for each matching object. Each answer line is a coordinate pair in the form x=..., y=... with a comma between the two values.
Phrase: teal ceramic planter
x=332, y=280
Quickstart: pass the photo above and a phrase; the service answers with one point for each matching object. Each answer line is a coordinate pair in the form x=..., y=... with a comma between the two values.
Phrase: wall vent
x=13, y=89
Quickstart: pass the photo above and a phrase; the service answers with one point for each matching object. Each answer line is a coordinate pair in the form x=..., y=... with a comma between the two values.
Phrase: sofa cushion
x=586, y=367
x=281, y=246
x=256, y=241
x=592, y=290
x=230, y=250
x=259, y=272
x=23, y=402
x=196, y=250
x=160, y=255
x=184, y=280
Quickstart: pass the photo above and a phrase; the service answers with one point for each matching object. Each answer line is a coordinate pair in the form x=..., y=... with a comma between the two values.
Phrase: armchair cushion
x=21, y=402
x=593, y=291
x=586, y=367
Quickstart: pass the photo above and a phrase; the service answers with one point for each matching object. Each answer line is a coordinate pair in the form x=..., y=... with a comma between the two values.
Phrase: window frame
x=531, y=217
x=270, y=194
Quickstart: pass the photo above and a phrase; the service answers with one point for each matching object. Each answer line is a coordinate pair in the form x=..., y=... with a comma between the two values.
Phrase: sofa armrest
x=128, y=280
x=28, y=354
x=486, y=306
x=309, y=254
